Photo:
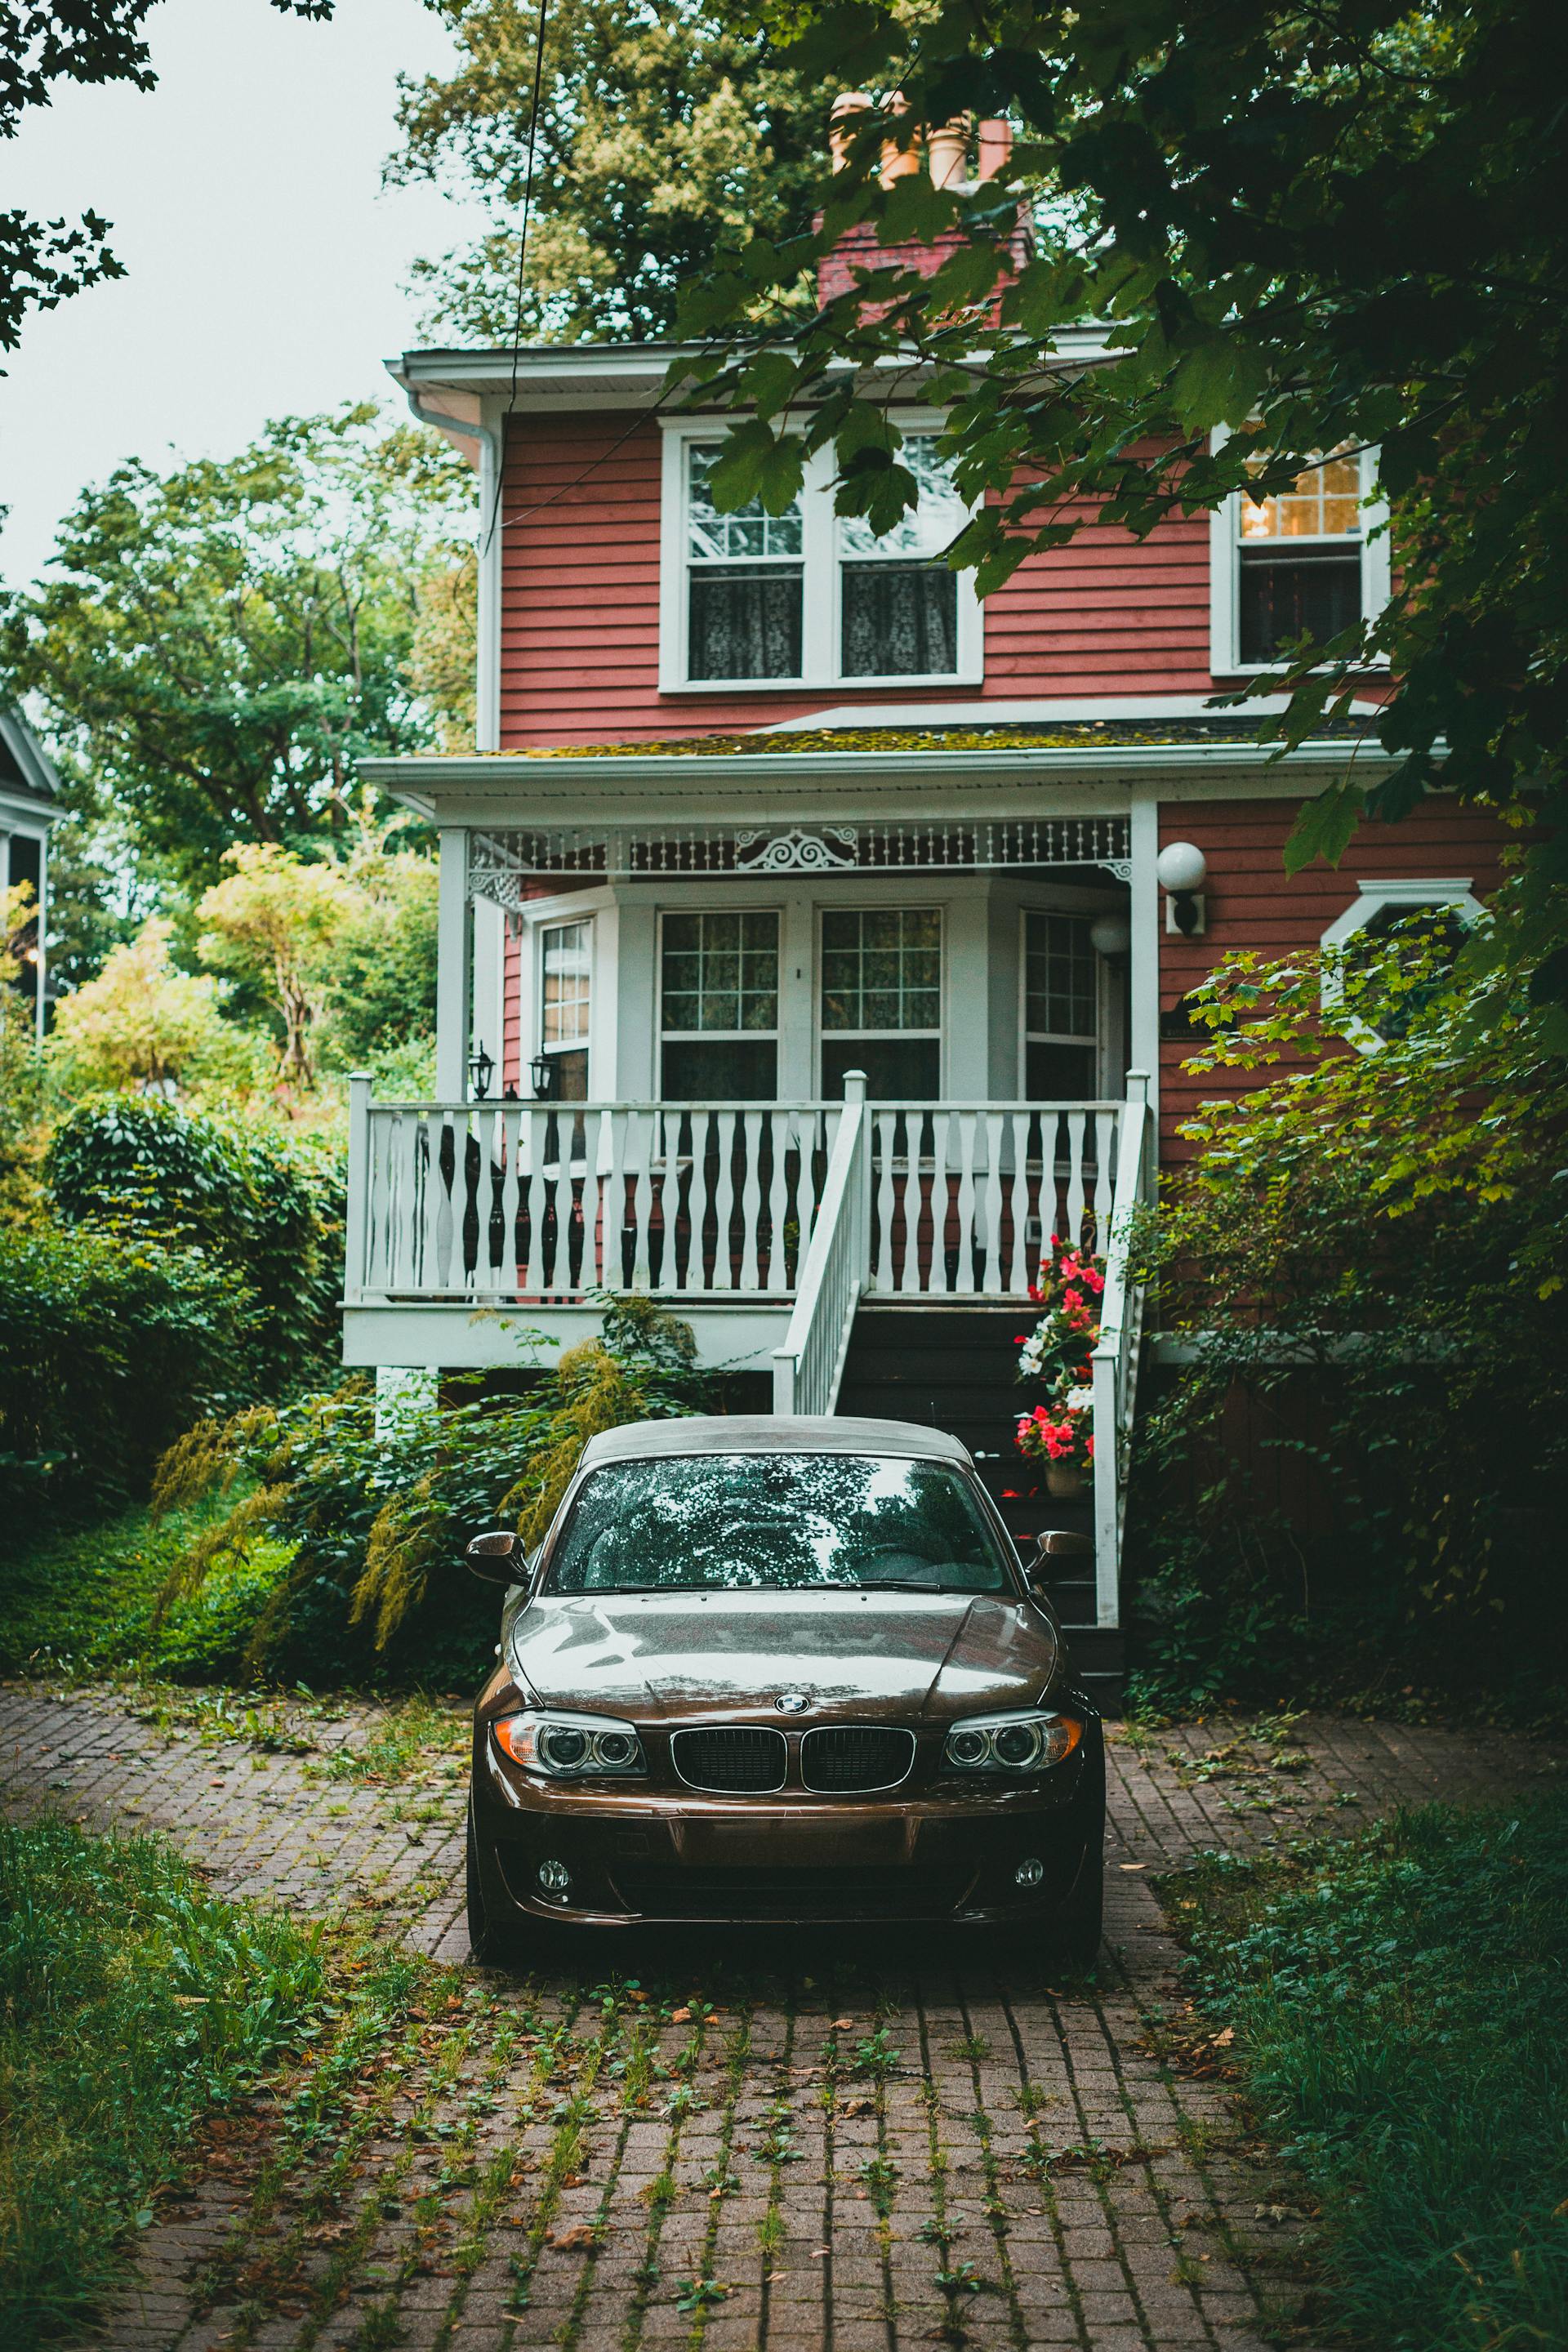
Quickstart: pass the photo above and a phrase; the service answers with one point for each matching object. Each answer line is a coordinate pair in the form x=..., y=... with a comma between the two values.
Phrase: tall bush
x=108, y=1348
x=378, y=1506
x=261, y=1205
x=1357, y=1478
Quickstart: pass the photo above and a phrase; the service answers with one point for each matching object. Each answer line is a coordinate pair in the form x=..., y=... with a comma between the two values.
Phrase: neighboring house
x=30, y=806
x=761, y=801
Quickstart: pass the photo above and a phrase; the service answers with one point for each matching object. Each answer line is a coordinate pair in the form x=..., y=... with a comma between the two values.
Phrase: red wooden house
x=761, y=804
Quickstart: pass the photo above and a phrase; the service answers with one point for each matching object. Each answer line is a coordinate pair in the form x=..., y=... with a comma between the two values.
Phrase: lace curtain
x=746, y=621
x=900, y=620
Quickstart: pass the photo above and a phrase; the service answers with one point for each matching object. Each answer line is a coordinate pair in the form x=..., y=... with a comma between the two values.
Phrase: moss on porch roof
x=1066, y=736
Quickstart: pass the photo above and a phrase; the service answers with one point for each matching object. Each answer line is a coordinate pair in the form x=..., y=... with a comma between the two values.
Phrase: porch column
x=1145, y=919
x=453, y=980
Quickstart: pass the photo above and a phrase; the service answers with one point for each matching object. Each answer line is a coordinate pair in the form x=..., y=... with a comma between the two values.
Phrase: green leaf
x=1325, y=828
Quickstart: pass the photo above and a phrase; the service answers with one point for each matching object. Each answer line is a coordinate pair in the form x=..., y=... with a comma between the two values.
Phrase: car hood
x=899, y=1656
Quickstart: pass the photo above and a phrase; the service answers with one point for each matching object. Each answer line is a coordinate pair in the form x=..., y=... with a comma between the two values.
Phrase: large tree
x=219, y=645
x=664, y=126
x=91, y=41
x=1315, y=223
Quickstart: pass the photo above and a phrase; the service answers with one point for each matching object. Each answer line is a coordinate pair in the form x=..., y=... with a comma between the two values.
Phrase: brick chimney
x=947, y=154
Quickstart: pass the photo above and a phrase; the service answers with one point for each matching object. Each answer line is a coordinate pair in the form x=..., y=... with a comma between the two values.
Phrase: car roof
x=761, y=1433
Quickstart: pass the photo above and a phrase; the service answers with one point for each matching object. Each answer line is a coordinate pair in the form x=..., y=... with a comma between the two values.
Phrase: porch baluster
x=1076, y=1121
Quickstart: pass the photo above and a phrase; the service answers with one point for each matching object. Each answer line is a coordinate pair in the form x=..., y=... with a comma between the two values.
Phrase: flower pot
x=1063, y=1479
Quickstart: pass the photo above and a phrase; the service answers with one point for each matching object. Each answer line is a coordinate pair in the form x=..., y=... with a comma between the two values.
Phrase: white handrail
x=809, y=1368
x=1114, y=1366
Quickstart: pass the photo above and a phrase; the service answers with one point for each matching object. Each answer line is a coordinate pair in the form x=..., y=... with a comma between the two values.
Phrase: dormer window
x=1308, y=561
x=809, y=598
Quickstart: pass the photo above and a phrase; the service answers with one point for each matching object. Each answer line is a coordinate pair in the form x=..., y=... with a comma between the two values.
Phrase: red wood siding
x=512, y=1008
x=580, y=606
x=1252, y=903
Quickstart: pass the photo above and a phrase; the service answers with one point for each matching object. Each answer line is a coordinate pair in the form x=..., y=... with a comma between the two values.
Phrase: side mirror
x=492, y=1556
x=1059, y=1543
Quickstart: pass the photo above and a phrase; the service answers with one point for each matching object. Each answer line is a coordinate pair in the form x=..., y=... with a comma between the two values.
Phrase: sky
x=266, y=266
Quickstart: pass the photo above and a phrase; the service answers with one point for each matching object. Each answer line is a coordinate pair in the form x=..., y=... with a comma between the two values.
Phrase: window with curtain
x=1061, y=1008
x=898, y=602
x=1299, y=559
x=881, y=1001
x=745, y=584
x=566, y=985
x=719, y=1007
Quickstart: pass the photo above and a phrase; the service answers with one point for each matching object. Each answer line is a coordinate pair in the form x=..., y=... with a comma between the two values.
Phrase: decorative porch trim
x=502, y=864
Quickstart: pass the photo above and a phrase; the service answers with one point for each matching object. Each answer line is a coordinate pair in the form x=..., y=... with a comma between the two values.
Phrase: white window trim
x=820, y=629
x=1373, y=897
x=1224, y=570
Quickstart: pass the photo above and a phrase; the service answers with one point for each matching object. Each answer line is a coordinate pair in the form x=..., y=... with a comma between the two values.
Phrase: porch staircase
x=954, y=1366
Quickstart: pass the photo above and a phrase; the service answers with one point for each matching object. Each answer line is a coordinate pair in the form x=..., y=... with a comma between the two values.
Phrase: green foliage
x=1400, y=2015
x=108, y=1347
x=1367, y=1257
x=381, y=993
x=91, y=1601
x=258, y=1201
x=664, y=131
x=132, y=2003
x=1344, y=227
x=375, y=1510
x=217, y=645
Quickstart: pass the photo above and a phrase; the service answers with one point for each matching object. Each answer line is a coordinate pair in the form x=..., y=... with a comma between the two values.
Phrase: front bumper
x=637, y=1855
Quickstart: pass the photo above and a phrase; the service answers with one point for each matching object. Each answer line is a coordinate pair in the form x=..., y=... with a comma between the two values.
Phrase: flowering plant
x=1062, y=1431
x=1071, y=1283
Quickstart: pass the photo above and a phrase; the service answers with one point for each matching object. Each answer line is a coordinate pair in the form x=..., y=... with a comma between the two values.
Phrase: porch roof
x=1085, y=765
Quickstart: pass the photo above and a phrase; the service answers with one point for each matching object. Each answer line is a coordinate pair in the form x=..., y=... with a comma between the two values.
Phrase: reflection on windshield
x=738, y=1522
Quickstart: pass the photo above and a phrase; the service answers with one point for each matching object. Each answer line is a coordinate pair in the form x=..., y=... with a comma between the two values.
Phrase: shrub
x=377, y=1508
x=1353, y=1484
x=108, y=1347
x=261, y=1203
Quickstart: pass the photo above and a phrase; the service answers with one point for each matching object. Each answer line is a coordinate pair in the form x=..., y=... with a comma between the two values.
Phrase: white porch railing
x=489, y=1202
x=1114, y=1365
x=809, y=1368
x=549, y=1201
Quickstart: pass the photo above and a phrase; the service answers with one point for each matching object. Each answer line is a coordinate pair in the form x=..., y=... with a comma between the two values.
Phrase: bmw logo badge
x=791, y=1703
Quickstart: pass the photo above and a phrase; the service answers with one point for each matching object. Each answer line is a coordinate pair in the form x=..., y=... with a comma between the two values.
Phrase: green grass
x=1400, y=2005
x=131, y=2003
x=86, y=1602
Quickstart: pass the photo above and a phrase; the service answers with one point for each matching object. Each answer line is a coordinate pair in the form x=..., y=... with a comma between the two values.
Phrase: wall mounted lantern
x=482, y=1070
x=1180, y=869
x=1110, y=936
x=543, y=1070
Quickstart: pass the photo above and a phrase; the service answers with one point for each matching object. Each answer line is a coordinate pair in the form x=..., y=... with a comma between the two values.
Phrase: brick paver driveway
x=791, y=2141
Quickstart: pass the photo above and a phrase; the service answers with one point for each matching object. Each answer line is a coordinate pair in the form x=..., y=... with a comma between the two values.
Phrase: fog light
x=555, y=1878
x=1029, y=1873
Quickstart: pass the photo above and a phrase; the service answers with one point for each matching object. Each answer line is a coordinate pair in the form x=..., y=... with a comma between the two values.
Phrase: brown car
x=779, y=1669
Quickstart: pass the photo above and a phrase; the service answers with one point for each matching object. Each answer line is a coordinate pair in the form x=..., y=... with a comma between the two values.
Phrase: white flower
x=1079, y=1400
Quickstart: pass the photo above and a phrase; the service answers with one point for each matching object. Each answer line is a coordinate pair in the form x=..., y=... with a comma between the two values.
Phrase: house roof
x=29, y=786
x=451, y=389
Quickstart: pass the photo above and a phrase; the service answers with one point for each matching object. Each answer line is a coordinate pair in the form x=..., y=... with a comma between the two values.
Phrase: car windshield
x=780, y=1522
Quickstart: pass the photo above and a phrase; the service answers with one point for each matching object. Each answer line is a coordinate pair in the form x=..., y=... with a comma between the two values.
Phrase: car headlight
x=1011, y=1743
x=570, y=1747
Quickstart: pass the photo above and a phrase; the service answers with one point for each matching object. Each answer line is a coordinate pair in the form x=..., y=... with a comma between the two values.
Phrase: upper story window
x=808, y=597
x=745, y=584
x=1305, y=562
x=719, y=1007
x=898, y=602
